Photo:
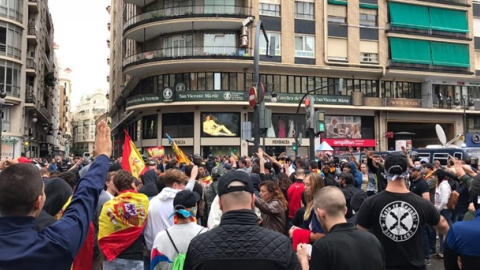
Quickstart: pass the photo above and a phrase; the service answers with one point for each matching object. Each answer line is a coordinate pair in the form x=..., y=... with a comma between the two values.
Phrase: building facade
x=90, y=108
x=383, y=70
x=28, y=74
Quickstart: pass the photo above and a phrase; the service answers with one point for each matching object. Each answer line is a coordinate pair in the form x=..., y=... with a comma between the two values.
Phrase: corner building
x=178, y=65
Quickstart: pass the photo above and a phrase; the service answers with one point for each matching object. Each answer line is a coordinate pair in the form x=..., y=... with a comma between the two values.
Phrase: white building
x=86, y=112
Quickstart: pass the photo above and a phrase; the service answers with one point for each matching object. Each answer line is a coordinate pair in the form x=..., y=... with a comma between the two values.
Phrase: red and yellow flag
x=132, y=161
x=181, y=157
x=121, y=222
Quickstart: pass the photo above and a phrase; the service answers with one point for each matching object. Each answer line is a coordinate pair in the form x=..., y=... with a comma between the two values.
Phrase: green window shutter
x=448, y=20
x=450, y=54
x=338, y=2
x=412, y=51
x=409, y=16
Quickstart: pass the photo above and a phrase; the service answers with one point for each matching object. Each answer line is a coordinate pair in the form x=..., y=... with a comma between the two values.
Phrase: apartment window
x=336, y=19
x=274, y=40
x=150, y=127
x=304, y=10
x=269, y=9
x=368, y=20
x=369, y=57
x=305, y=46
x=337, y=26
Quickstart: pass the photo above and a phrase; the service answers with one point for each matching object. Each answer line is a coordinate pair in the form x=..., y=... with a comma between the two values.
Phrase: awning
x=448, y=20
x=450, y=54
x=409, y=16
x=410, y=51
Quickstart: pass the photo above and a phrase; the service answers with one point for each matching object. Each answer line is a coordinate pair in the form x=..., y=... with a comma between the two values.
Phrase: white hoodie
x=160, y=208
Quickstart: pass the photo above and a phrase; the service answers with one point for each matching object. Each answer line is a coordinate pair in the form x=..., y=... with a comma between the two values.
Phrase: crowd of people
x=228, y=212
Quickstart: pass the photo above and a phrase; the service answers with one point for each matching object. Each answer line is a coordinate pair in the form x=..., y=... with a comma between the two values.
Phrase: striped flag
x=132, y=161
x=181, y=157
x=121, y=222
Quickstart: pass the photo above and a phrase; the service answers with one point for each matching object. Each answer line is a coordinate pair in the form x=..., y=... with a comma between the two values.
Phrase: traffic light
x=319, y=122
x=294, y=146
x=309, y=112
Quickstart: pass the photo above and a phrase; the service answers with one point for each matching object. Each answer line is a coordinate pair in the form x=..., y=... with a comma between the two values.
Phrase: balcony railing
x=30, y=96
x=433, y=68
x=186, y=52
x=32, y=31
x=430, y=32
x=449, y=2
x=31, y=63
x=190, y=11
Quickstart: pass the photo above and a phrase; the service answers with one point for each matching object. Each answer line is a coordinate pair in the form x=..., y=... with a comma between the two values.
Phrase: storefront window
x=177, y=125
x=150, y=126
x=402, y=90
x=220, y=150
x=220, y=124
x=283, y=125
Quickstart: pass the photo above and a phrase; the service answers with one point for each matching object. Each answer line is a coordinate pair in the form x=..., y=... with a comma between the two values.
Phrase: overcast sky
x=81, y=34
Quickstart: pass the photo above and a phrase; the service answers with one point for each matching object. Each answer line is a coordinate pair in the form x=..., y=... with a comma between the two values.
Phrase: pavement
x=436, y=264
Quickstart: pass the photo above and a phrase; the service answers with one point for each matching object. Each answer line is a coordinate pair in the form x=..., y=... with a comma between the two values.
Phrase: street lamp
x=311, y=135
x=34, y=118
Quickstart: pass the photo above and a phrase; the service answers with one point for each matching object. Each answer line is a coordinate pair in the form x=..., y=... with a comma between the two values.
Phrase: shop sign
x=404, y=102
x=351, y=142
x=211, y=96
x=143, y=99
x=319, y=99
x=281, y=142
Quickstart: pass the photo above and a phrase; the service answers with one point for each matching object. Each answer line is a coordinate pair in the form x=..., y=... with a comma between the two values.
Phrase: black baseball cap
x=396, y=163
x=185, y=199
x=228, y=178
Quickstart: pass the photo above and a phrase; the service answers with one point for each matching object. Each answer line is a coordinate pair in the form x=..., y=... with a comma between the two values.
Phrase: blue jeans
x=424, y=234
x=447, y=214
x=432, y=239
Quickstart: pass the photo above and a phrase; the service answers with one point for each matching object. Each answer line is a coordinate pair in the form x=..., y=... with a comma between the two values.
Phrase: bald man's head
x=331, y=200
x=236, y=200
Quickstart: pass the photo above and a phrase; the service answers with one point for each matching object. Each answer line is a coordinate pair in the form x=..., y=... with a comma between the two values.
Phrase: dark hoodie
x=149, y=188
x=57, y=192
x=357, y=175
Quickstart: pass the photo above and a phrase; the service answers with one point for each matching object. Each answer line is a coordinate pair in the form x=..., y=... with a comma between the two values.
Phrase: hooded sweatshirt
x=159, y=211
x=357, y=175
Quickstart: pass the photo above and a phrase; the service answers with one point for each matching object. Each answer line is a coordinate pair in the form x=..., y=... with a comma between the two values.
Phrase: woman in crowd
x=284, y=183
x=368, y=180
x=311, y=229
x=442, y=194
x=272, y=204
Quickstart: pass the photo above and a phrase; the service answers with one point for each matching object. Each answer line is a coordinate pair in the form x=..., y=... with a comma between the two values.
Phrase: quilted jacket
x=239, y=243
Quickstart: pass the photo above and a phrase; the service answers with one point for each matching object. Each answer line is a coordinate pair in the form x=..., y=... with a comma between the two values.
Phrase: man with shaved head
x=344, y=247
x=238, y=242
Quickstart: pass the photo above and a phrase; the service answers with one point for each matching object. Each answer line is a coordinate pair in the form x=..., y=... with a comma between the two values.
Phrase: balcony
x=450, y=2
x=184, y=57
x=154, y=23
x=31, y=66
x=32, y=36
x=430, y=68
x=30, y=96
x=32, y=6
x=427, y=32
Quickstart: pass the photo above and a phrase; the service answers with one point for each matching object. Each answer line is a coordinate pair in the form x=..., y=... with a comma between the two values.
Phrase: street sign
x=252, y=96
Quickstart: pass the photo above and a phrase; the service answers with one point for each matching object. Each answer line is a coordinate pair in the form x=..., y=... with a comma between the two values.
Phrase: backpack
x=180, y=259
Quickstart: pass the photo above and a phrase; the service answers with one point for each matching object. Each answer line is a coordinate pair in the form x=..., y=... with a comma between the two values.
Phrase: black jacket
x=239, y=243
x=379, y=172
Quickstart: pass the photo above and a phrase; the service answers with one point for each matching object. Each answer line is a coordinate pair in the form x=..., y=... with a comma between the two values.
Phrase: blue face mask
x=186, y=213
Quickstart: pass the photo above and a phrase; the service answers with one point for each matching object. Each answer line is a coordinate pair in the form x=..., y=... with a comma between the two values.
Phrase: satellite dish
x=441, y=134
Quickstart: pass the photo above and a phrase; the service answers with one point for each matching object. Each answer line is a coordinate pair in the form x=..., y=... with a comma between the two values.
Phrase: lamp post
x=312, y=138
x=260, y=103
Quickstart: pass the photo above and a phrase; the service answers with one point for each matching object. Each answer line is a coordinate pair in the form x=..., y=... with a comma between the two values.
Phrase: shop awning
x=410, y=51
x=450, y=54
x=448, y=20
x=409, y=16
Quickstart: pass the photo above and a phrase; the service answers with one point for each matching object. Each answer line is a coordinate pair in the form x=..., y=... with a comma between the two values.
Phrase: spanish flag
x=132, y=161
x=181, y=157
x=84, y=258
x=121, y=222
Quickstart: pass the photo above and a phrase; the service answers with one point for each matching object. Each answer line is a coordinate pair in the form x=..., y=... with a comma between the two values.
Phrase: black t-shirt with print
x=396, y=220
x=419, y=186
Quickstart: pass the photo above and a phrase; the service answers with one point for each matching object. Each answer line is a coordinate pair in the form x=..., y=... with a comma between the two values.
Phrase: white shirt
x=442, y=194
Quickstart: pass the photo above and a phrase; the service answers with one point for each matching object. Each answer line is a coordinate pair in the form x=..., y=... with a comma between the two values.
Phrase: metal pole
x=298, y=109
x=465, y=130
x=260, y=106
